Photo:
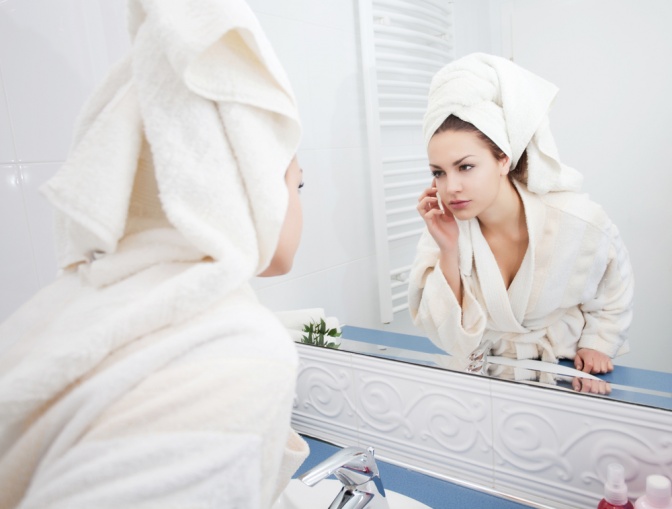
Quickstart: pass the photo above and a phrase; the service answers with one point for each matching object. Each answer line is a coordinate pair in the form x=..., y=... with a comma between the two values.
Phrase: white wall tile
x=46, y=65
x=18, y=278
x=112, y=19
x=336, y=209
x=290, y=9
x=7, y=153
x=338, y=14
x=347, y=291
x=40, y=218
x=336, y=94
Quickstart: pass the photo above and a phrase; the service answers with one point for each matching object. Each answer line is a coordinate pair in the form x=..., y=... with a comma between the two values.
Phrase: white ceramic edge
x=542, y=447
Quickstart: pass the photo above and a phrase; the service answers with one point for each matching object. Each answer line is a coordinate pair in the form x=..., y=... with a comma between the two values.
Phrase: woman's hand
x=591, y=386
x=440, y=223
x=592, y=361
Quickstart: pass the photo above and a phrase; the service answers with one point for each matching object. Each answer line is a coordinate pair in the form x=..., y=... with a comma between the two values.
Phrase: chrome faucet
x=357, y=470
x=479, y=357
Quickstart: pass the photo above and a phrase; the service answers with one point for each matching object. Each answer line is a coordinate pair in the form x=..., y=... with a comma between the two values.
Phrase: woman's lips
x=459, y=204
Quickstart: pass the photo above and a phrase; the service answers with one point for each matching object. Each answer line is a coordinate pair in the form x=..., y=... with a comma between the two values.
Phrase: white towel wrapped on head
x=510, y=106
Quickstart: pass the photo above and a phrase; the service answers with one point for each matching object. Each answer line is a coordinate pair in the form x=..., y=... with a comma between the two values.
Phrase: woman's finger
x=578, y=362
x=430, y=191
x=427, y=204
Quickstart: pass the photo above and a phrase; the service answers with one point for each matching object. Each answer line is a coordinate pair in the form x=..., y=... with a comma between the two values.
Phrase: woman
x=512, y=253
x=147, y=374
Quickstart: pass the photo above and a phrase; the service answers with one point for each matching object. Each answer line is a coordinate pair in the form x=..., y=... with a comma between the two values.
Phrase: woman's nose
x=452, y=183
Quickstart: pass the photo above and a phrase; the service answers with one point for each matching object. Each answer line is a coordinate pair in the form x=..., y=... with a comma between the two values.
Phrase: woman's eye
x=466, y=167
x=437, y=173
x=301, y=185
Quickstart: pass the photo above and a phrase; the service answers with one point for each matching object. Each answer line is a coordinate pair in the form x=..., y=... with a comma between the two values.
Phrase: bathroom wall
x=52, y=54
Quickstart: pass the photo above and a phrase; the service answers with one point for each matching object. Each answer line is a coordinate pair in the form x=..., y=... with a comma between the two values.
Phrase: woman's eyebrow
x=456, y=163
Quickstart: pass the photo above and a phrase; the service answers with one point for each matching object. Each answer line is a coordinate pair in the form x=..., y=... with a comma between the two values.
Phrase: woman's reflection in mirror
x=513, y=253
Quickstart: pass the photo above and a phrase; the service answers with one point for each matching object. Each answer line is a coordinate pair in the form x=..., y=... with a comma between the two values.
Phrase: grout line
x=34, y=163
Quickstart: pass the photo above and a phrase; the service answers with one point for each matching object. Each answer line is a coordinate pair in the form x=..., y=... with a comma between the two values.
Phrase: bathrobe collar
x=505, y=308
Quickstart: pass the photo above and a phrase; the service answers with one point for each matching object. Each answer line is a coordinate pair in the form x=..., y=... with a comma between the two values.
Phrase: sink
x=298, y=495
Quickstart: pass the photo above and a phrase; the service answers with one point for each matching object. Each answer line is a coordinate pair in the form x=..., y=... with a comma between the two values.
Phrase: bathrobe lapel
x=507, y=309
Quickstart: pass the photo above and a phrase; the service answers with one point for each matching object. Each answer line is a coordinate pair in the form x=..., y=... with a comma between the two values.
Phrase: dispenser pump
x=658, y=494
x=615, y=489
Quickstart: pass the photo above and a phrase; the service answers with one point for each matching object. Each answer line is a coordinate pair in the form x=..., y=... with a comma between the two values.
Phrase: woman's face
x=290, y=234
x=468, y=176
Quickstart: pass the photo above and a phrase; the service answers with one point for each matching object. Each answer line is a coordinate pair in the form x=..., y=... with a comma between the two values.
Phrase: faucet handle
x=481, y=351
x=352, y=466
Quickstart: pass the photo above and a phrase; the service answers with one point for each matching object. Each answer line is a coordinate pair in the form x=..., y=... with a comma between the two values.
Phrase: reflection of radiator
x=403, y=43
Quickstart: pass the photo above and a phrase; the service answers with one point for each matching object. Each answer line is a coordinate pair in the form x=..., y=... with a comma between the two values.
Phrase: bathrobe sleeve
x=609, y=313
x=434, y=308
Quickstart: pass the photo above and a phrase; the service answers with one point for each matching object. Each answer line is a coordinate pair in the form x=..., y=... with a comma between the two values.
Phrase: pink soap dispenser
x=615, y=490
x=658, y=494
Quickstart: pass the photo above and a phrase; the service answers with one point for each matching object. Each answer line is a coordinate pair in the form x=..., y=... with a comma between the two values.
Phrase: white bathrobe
x=147, y=375
x=573, y=290
x=191, y=415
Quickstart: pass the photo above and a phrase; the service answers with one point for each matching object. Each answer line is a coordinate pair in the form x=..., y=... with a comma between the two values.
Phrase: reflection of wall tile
x=337, y=102
x=111, y=18
x=17, y=267
x=347, y=291
x=40, y=218
x=7, y=153
x=339, y=14
x=47, y=73
x=336, y=207
x=290, y=9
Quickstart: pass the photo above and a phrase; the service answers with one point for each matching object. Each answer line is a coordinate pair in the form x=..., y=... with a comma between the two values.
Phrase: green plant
x=314, y=334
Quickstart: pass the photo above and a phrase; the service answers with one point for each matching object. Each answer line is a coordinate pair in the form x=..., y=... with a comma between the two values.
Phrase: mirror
x=610, y=117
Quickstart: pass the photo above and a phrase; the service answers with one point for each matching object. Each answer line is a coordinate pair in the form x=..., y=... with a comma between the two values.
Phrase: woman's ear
x=505, y=165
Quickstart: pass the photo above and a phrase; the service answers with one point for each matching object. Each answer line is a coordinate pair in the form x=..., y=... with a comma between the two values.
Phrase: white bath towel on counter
x=166, y=207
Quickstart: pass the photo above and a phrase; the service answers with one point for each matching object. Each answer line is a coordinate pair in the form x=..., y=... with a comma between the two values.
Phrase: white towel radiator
x=403, y=43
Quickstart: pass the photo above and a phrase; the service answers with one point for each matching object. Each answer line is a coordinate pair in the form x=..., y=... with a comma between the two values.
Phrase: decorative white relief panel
x=546, y=447
x=559, y=444
x=434, y=423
